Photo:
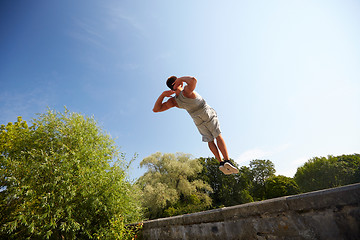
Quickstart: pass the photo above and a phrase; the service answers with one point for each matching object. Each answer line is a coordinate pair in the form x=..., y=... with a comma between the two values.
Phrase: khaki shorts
x=207, y=123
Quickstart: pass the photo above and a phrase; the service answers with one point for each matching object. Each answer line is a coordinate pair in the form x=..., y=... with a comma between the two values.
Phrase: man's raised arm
x=190, y=83
x=160, y=106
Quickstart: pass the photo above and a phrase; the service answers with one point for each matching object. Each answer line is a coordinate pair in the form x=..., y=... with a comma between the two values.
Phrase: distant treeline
x=176, y=184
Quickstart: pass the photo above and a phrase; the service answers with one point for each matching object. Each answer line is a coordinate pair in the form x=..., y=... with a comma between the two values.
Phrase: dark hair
x=170, y=81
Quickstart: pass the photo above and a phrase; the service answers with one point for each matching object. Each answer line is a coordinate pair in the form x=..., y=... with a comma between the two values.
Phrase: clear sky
x=283, y=76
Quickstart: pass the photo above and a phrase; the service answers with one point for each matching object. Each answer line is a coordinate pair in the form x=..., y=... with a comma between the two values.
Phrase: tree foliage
x=260, y=170
x=62, y=177
x=279, y=186
x=321, y=172
x=170, y=186
x=228, y=190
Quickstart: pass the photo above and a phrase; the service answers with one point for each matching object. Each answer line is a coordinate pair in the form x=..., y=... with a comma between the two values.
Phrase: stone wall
x=327, y=214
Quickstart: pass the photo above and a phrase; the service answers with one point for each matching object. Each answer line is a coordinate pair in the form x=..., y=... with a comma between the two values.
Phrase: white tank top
x=192, y=106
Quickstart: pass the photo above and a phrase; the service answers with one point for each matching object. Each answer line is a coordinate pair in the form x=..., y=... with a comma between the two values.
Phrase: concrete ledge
x=326, y=214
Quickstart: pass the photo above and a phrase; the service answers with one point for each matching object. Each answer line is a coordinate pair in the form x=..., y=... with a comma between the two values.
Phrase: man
x=205, y=118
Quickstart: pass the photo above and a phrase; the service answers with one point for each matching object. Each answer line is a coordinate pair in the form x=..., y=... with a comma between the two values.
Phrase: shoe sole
x=231, y=168
x=225, y=170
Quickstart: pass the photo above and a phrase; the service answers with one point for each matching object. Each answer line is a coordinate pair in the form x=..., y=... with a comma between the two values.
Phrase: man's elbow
x=193, y=80
x=156, y=110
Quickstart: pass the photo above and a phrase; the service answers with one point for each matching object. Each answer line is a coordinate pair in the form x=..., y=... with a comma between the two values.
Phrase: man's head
x=170, y=81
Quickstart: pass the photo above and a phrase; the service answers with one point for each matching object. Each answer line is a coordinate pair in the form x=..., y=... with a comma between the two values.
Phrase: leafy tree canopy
x=279, y=186
x=170, y=186
x=62, y=177
x=260, y=170
x=321, y=172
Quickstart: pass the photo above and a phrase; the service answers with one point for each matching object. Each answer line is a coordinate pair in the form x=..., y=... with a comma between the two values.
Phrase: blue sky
x=283, y=76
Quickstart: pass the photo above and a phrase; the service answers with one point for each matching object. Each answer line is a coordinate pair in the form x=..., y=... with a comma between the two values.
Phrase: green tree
x=351, y=168
x=260, y=171
x=228, y=190
x=62, y=178
x=321, y=172
x=278, y=186
x=170, y=186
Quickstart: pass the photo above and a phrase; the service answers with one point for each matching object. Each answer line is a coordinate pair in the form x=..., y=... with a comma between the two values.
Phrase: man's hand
x=178, y=82
x=188, y=90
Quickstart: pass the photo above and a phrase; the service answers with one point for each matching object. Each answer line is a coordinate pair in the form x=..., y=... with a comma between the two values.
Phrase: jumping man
x=205, y=117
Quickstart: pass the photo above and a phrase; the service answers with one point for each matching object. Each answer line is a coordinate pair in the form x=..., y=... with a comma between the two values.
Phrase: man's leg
x=214, y=150
x=222, y=146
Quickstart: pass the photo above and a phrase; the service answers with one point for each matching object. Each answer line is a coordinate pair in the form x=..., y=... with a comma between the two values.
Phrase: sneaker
x=230, y=168
x=224, y=169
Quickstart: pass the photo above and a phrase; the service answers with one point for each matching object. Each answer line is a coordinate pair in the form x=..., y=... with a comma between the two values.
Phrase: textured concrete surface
x=326, y=214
